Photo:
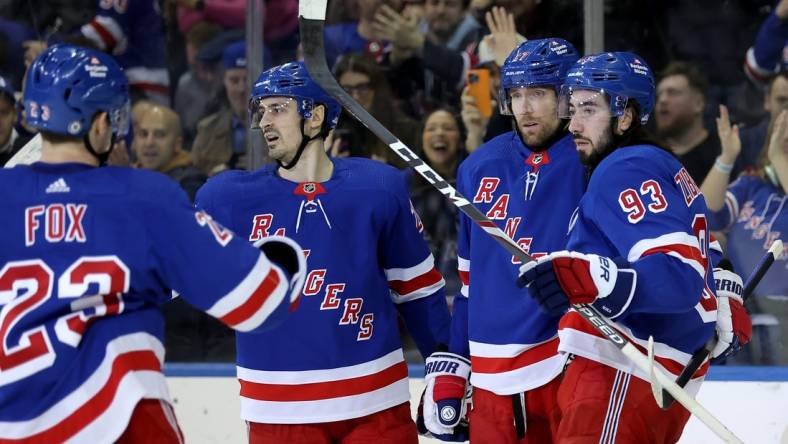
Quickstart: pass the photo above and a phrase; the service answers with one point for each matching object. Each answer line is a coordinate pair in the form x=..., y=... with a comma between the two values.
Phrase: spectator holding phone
x=363, y=79
x=484, y=125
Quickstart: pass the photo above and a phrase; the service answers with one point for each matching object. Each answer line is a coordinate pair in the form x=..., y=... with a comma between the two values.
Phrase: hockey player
x=638, y=252
x=514, y=179
x=89, y=254
x=337, y=373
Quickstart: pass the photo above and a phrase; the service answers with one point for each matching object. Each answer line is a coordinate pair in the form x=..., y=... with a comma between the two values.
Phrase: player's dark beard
x=600, y=149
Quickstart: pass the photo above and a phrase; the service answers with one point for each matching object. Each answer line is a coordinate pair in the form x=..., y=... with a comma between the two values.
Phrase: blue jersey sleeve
x=765, y=58
x=645, y=216
x=416, y=285
x=208, y=265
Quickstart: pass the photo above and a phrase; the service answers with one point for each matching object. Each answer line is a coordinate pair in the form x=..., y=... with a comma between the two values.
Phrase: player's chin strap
x=102, y=158
x=304, y=142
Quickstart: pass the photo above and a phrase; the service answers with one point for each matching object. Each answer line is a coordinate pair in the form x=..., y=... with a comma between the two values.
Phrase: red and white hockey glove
x=568, y=277
x=443, y=403
x=285, y=254
x=734, y=326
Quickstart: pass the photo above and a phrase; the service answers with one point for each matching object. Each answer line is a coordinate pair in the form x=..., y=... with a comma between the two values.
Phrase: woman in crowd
x=442, y=147
x=363, y=79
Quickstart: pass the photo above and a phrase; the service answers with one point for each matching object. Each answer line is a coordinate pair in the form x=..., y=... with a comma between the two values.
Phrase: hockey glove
x=567, y=277
x=288, y=256
x=734, y=326
x=443, y=404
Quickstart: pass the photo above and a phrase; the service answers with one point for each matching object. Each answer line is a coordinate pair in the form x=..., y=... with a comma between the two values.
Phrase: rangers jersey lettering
x=339, y=355
x=82, y=273
x=531, y=196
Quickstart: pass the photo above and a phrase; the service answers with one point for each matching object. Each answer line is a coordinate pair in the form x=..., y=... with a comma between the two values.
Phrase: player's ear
x=100, y=131
x=318, y=115
x=100, y=123
x=624, y=122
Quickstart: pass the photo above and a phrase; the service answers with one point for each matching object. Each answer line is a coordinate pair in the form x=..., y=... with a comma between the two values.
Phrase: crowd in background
x=720, y=91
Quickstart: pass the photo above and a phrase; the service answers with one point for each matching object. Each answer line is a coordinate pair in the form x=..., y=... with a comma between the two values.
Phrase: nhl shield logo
x=309, y=187
x=537, y=159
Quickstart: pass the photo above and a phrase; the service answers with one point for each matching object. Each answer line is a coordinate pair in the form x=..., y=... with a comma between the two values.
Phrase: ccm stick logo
x=429, y=174
x=601, y=325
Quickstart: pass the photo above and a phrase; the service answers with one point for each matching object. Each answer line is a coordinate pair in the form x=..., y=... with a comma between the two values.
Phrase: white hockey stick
x=28, y=154
x=699, y=357
x=312, y=14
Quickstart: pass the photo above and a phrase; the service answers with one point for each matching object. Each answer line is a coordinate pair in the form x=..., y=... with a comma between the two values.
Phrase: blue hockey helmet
x=66, y=86
x=542, y=62
x=621, y=76
x=293, y=80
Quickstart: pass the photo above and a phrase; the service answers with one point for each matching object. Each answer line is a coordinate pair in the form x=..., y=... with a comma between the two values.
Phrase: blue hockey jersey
x=87, y=256
x=132, y=32
x=531, y=196
x=339, y=355
x=642, y=206
x=755, y=215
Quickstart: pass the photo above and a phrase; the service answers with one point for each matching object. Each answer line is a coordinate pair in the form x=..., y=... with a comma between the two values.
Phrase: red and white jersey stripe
x=153, y=80
x=514, y=368
x=464, y=270
x=106, y=33
x=301, y=397
x=680, y=245
x=99, y=409
x=578, y=337
x=418, y=281
x=250, y=303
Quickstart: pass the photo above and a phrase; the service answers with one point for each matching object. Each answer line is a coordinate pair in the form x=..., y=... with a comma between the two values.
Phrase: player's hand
x=286, y=254
x=734, y=326
x=442, y=409
x=568, y=277
x=729, y=137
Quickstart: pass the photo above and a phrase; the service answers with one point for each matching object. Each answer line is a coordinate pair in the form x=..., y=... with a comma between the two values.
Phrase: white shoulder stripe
x=463, y=264
x=406, y=274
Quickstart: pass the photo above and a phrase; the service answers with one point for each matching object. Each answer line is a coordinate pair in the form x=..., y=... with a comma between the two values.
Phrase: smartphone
x=479, y=87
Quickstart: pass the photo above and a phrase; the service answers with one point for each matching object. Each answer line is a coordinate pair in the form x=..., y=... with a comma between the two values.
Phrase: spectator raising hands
x=777, y=168
x=475, y=123
x=399, y=29
x=503, y=37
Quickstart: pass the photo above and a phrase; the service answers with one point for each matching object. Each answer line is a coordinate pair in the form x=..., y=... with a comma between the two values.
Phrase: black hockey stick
x=699, y=357
x=312, y=14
